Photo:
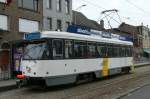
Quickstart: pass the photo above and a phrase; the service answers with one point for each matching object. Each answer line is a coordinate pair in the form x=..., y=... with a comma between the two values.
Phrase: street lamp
x=80, y=7
x=76, y=12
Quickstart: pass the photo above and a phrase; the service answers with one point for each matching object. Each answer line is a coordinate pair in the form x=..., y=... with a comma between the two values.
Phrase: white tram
x=56, y=58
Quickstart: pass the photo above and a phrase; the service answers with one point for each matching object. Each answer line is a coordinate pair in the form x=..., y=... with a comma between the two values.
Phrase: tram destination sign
x=88, y=31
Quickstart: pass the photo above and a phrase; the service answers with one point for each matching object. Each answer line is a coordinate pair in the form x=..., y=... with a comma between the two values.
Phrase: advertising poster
x=18, y=53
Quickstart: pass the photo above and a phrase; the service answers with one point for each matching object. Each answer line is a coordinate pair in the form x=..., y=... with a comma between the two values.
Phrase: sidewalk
x=7, y=85
x=141, y=64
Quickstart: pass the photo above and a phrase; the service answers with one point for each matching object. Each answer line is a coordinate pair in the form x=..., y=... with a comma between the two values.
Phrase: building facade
x=57, y=14
x=144, y=30
x=80, y=19
x=16, y=18
x=132, y=31
x=19, y=17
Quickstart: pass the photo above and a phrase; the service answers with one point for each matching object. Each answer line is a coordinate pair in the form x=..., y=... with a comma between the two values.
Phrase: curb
x=141, y=65
x=9, y=87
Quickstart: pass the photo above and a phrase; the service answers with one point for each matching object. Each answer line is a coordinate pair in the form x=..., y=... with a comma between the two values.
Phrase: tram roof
x=67, y=35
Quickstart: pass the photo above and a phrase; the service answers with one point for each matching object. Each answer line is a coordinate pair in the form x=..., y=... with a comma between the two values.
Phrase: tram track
x=136, y=78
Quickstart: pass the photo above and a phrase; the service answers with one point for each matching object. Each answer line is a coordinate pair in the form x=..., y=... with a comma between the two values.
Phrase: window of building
x=59, y=25
x=58, y=5
x=3, y=1
x=68, y=49
x=35, y=4
x=28, y=25
x=49, y=4
x=57, y=49
x=49, y=20
x=67, y=24
x=3, y=22
x=67, y=6
x=80, y=49
x=28, y=4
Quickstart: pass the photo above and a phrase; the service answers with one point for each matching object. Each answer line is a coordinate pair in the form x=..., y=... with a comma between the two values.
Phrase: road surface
x=110, y=88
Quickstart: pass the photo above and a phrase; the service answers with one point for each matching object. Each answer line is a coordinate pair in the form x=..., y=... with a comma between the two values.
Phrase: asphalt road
x=110, y=88
x=141, y=93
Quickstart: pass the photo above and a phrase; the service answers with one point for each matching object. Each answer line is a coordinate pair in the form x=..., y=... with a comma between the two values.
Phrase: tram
x=55, y=58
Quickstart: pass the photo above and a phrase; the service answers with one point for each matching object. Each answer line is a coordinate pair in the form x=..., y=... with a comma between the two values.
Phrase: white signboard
x=3, y=22
x=115, y=36
x=28, y=25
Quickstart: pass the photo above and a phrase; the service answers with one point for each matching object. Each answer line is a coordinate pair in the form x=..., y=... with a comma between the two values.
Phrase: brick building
x=19, y=17
x=131, y=31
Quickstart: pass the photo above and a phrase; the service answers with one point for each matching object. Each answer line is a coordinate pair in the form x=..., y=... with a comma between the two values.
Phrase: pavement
x=7, y=85
x=11, y=84
x=141, y=64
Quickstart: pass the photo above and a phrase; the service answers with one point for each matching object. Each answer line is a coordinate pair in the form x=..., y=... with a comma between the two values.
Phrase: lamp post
x=75, y=17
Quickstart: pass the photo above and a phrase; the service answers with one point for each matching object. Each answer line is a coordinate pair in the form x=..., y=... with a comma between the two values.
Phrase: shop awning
x=147, y=50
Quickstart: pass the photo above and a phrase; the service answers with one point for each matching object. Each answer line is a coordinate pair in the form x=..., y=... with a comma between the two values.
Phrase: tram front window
x=36, y=51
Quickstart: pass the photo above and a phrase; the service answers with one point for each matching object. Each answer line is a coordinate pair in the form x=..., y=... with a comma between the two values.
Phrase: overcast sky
x=131, y=11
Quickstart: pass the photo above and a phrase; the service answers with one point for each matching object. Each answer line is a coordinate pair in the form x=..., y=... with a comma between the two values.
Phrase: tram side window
x=80, y=49
x=57, y=49
x=123, y=52
x=91, y=50
x=120, y=51
x=131, y=51
x=128, y=51
x=116, y=51
x=110, y=52
x=101, y=51
x=68, y=49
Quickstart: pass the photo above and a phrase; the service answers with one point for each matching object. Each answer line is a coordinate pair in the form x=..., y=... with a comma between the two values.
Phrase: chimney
x=142, y=24
x=102, y=24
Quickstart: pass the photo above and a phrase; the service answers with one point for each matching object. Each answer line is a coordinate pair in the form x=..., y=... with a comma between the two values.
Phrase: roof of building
x=128, y=28
x=81, y=19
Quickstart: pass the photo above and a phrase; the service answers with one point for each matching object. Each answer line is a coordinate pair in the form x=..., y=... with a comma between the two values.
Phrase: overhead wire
x=107, y=15
x=141, y=9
